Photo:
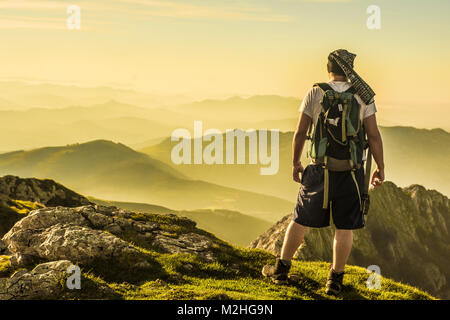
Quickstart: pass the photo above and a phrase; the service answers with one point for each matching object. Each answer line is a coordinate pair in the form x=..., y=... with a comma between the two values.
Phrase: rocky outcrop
x=100, y=239
x=406, y=235
x=95, y=233
x=47, y=281
x=45, y=191
x=20, y=196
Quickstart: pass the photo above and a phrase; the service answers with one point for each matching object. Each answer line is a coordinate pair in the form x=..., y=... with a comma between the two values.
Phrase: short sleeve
x=370, y=110
x=309, y=102
x=366, y=110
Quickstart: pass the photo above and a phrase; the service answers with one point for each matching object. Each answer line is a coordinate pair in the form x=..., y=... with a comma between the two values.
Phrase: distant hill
x=407, y=235
x=111, y=121
x=232, y=226
x=114, y=171
x=246, y=176
x=411, y=156
x=418, y=156
x=132, y=124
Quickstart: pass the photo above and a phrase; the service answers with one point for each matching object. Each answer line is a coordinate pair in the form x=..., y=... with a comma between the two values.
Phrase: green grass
x=24, y=207
x=195, y=285
x=5, y=266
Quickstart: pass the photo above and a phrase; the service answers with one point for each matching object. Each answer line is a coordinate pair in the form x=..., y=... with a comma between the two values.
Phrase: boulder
x=187, y=243
x=92, y=234
x=76, y=243
x=48, y=281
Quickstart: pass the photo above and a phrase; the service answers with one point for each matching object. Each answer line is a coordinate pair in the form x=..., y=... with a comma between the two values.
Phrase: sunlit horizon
x=224, y=48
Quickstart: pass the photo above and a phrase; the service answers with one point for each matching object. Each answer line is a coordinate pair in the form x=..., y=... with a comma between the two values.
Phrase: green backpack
x=339, y=139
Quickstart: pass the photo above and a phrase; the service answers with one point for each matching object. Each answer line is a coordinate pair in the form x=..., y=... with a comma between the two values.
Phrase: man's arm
x=376, y=146
x=298, y=143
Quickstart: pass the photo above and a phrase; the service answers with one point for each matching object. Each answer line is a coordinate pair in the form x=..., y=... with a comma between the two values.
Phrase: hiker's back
x=338, y=139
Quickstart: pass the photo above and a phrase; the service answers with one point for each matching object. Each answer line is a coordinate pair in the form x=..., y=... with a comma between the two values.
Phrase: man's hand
x=296, y=170
x=377, y=177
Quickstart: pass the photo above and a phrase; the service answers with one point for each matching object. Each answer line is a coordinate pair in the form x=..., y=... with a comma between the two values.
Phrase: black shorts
x=342, y=194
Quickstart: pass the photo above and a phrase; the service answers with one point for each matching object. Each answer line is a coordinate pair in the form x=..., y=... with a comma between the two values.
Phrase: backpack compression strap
x=324, y=86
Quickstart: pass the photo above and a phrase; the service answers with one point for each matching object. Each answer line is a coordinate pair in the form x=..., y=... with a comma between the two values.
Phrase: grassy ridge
x=236, y=275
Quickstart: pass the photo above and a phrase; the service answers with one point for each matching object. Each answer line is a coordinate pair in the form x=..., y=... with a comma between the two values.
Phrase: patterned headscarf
x=346, y=60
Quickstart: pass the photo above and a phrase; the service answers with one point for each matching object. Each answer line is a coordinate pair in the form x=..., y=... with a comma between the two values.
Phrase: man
x=323, y=189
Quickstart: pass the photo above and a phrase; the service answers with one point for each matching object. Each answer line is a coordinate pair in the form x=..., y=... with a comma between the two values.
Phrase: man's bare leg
x=292, y=240
x=342, y=245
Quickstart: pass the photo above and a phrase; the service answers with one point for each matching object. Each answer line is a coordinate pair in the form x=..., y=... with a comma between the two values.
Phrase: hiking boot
x=278, y=273
x=334, y=282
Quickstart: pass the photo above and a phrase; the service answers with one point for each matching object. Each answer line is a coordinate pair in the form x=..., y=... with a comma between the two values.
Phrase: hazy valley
x=114, y=147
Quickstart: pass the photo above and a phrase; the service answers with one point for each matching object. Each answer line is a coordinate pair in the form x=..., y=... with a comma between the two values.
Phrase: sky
x=208, y=48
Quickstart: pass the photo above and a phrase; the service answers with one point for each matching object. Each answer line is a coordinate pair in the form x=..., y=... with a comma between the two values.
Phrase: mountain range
x=17, y=95
x=108, y=170
x=411, y=156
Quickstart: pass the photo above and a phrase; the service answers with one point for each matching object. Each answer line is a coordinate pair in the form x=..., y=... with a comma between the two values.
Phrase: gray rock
x=70, y=233
x=186, y=243
x=43, y=282
x=76, y=243
x=47, y=281
x=97, y=237
x=78, y=234
x=18, y=259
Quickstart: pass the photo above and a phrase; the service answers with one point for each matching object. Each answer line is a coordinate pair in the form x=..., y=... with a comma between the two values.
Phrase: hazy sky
x=208, y=47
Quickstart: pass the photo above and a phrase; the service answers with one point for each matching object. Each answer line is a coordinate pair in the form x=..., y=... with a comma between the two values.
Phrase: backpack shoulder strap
x=324, y=86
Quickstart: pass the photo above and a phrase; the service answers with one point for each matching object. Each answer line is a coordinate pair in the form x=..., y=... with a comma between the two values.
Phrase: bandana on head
x=346, y=60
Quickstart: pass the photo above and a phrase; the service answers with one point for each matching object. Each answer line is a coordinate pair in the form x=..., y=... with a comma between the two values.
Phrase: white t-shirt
x=311, y=103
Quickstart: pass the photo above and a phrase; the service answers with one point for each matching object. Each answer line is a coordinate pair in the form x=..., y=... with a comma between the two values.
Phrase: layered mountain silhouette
x=21, y=95
x=411, y=156
x=111, y=120
x=114, y=171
